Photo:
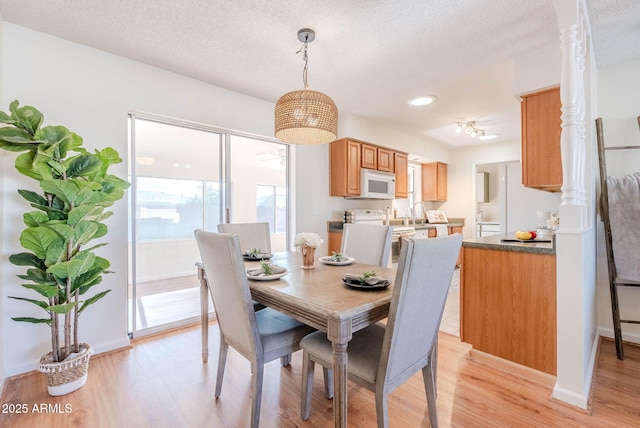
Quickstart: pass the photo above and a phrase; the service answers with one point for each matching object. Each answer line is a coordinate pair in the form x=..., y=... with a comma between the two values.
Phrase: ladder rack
x=614, y=280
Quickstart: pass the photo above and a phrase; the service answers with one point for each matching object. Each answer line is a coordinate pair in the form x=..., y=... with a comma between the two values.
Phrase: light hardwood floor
x=162, y=382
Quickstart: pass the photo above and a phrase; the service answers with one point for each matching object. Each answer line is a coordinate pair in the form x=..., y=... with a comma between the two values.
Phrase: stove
x=370, y=216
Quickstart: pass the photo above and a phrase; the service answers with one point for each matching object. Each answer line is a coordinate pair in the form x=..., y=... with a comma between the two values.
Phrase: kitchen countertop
x=336, y=226
x=494, y=242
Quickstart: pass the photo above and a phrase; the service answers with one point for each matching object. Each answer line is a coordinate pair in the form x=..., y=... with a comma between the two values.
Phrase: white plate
x=258, y=257
x=327, y=260
x=267, y=277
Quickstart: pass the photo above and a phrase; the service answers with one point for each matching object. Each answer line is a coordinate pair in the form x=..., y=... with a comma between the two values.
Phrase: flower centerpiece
x=308, y=242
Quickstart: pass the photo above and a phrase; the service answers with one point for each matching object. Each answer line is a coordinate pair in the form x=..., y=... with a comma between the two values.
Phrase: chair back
x=367, y=243
x=251, y=235
x=425, y=269
x=223, y=264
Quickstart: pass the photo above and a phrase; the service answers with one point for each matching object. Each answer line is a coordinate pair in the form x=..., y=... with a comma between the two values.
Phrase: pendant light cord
x=305, y=58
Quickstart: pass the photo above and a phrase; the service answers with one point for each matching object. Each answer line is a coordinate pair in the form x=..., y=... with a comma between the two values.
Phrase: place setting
x=337, y=259
x=256, y=255
x=266, y=272
x=365, y=281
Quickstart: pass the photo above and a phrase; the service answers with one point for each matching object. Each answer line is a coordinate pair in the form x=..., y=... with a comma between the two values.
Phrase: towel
x=624, y=215
x=274, y=271
x=352, y=278
x=441, y=230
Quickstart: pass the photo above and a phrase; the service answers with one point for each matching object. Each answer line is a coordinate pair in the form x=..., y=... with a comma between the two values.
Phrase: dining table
x=319, y=298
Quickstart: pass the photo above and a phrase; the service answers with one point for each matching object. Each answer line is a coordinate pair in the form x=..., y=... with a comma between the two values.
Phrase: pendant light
x=306, y=116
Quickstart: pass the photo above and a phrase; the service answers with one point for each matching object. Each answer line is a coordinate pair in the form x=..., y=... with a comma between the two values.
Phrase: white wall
x=619, y=91
x=90, y=92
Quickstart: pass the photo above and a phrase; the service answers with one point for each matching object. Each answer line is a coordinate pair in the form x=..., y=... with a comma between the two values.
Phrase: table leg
x=339, y=333
x=204, y=313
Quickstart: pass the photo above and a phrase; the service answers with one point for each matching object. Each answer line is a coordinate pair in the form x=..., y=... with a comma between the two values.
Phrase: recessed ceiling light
x=423, y=101
x=488, y=136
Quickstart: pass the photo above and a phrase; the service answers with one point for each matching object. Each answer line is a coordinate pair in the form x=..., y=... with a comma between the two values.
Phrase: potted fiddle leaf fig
x=67, y=209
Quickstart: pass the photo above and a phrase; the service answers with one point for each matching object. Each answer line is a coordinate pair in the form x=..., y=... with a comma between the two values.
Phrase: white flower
x=308, y=239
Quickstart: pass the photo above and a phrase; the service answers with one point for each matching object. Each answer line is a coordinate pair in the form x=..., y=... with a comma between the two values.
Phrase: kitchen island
x=508, y=300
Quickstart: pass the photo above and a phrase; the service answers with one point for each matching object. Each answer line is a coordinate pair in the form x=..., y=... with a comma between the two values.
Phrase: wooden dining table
x=319, y=298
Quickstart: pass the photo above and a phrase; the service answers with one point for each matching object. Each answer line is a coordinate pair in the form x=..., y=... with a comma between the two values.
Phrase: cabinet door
x=402, y=175
x=541, y=160
x=344, y=168
x=369, y=156
x=386, y=161
x=434, y=181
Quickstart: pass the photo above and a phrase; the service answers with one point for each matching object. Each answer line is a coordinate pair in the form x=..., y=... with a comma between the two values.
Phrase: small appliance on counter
x=361, y=215
x=547, y=223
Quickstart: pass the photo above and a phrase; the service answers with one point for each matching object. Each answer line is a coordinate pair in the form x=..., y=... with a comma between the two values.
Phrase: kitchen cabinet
x=369, y=156
x=344, y=167
x=347, y=157
x=434, y=181
x=386, y=160
x=541, y=159
x=402, y=174
x=508, y=304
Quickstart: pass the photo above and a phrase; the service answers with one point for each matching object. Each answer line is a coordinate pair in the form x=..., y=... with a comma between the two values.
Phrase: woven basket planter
x=66, y=376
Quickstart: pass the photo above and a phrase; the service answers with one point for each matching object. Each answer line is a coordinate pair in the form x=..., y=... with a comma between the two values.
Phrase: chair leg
x=382, y=409
x=285, y=360
x=434, y=366
x=430, y=388
x=307, y=384
x=222, y=361
x=256, y=380
x=328, y=382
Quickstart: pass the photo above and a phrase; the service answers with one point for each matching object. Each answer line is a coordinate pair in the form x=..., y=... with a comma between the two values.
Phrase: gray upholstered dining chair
x=260, y=336
x=251, y=235
x=381, y=357
x=367, y=243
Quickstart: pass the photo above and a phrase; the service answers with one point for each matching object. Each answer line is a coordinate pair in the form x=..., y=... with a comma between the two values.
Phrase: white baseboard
x=103, y=347
x=581, y=399
x=627, y=337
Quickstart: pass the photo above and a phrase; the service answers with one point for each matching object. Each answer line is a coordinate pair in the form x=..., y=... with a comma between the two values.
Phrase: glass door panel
x=258, y=185
x=177, y=190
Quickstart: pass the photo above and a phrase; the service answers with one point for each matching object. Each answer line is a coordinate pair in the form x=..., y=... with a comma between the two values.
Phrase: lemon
x=523, y=235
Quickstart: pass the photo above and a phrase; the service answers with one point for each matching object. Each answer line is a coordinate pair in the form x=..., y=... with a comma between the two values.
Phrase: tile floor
x=451, y=316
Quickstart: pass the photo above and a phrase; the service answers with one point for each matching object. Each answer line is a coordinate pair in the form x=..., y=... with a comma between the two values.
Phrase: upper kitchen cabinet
x=401, y=161
x=386, y=160
x=541, y=161
x=344, y=167
x=434, y=181
x=369, y=156
x=347, y=157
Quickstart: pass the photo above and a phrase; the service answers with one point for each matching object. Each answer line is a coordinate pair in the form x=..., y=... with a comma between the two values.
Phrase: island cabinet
x=434, y=181
x=541, y=160
x=508, y=303
x=344, y=167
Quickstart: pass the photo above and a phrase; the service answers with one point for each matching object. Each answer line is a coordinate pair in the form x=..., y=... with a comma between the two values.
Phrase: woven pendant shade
x=306, y=117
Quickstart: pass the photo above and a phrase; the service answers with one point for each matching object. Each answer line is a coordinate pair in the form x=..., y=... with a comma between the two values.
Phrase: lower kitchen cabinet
x=508, y=305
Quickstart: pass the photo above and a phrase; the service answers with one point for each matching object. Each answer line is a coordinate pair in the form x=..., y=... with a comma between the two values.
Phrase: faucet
x=413, y=211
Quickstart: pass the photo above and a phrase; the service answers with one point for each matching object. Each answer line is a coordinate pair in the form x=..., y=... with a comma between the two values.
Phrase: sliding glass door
x=188, y=177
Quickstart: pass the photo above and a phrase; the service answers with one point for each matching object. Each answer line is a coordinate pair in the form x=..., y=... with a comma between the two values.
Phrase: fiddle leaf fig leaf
x=84, y=213
x=27, y=117
x=38, y=239
x=24, y=165
x=27, y=259
x=35, y=218
x=78, y=265
x=33, y=197
x=85, y=231
x=43, y=305
x=33, y=320
x=83, y=165
x=16, y=140
x=65, y=190
x=65, y=231
x=45, y=290
x=62, y=308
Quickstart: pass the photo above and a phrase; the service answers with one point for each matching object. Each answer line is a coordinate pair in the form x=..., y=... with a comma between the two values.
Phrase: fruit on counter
x=533, y=234
x=525, y=236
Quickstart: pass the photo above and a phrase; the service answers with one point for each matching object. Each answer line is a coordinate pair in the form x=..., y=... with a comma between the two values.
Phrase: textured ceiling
x=370, y=56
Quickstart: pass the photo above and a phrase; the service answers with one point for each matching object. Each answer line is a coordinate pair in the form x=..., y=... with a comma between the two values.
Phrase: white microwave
x=377, y=184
